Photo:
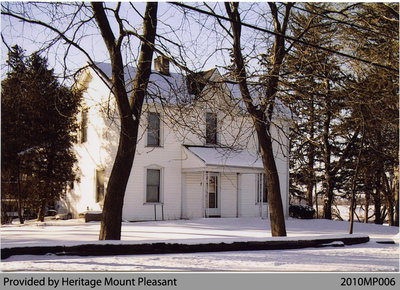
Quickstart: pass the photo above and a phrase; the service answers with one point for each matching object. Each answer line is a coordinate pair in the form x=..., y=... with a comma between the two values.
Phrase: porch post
x=183, y=193
x=204, y=176
x=237, y=193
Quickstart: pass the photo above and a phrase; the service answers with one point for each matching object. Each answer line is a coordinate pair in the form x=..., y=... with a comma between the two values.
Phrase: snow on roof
x=173, y=88
x=226, y=157
x=256, y=91
x=168, y=87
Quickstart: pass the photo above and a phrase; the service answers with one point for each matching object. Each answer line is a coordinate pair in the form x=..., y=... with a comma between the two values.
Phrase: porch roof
x=222, y=159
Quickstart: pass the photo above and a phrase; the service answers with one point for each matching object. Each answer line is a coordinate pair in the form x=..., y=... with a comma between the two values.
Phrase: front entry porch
x=218, y=183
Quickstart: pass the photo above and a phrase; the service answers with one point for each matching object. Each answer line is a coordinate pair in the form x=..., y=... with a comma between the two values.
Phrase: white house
x=197, y=154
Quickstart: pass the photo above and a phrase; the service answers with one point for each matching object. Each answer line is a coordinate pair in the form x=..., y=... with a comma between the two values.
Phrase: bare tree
x=261, y=114
x=130, y=110
x=129, y=107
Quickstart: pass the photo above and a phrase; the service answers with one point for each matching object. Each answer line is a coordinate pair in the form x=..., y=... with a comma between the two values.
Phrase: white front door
x=213, y=208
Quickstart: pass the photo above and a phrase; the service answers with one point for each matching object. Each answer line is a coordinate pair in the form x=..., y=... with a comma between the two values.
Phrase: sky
x=195, y=40
x=171, y=26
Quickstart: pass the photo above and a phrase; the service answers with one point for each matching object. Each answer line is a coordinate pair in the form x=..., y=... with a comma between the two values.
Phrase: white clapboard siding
x=182, y=192
x=168, y=159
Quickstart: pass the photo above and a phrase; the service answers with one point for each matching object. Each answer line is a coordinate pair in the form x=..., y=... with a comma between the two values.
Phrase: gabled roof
x=176, y=88
x=167, y=87
x=173, y=88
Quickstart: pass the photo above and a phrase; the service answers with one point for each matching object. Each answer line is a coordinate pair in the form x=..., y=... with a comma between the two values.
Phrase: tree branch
x=288, y=37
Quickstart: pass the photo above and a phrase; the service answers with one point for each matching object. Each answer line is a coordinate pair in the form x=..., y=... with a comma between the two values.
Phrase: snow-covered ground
x=371, y=256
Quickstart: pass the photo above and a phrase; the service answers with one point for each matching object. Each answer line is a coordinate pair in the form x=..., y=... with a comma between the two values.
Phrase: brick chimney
x=161, y=64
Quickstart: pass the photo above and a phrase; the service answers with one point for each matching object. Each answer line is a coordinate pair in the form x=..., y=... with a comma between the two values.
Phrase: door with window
x=213, y=208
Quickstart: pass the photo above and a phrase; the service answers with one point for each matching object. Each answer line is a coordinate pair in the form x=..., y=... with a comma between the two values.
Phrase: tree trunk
x=311, y=156
x=396, y=195
x=377, y=207
x=277, y=218
x=311, y=174
x=113, y=203
x=328, y=195
x=129, y=112
x=262, y=116
x=20, y=213
x=390, y=214
x=309, y=194
x=42, y=210
x=366, y=204
x=388, y=193
x=328, y=199
x=353, y=185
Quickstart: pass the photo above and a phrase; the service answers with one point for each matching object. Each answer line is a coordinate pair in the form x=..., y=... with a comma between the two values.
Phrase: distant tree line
x=38, y=126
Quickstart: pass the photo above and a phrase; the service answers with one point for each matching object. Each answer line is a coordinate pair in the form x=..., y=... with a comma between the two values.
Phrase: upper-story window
x=84, y=125
x=153, y=129
x=211, y=128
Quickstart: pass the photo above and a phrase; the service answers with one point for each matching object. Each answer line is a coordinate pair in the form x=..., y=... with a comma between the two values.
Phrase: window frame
x=211, y=135
x=99, y=198
x=84, y=125
x=149, y=130
x=160, y=185
x=260, y=177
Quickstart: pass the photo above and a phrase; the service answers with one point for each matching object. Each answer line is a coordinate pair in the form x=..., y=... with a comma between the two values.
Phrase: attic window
x=196, y=82
x=211, y=128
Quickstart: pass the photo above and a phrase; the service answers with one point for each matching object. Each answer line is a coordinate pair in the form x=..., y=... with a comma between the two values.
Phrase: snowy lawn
x=371, y=256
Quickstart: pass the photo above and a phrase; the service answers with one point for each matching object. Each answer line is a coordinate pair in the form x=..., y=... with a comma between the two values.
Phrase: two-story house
x=196, y=156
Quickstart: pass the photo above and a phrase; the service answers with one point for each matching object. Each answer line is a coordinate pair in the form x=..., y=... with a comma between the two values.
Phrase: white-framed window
x=153, y=185
x=262, y=190
x=153, y=129
x=100, y=189
x=211, y=128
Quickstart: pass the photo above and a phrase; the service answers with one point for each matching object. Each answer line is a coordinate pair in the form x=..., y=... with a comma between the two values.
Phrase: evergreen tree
x=12, y=142
x=316, y=99
x=38, y=127
x=375, y=104
x=347, y=130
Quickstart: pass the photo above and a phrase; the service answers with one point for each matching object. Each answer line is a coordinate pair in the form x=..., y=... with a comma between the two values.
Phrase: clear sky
x=172, y=26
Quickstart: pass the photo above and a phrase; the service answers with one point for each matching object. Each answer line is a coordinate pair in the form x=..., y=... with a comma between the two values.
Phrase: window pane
x=262, y=188
x=153, y=193
x=153, y=185
x=211, y=128
x=212, y=200
x=212, y=184
x=213, y=192
x=84, y=123
x=99, y=185
x=153, y=129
